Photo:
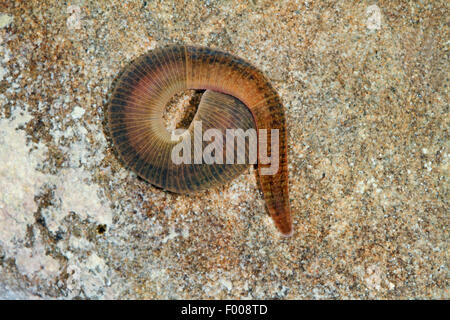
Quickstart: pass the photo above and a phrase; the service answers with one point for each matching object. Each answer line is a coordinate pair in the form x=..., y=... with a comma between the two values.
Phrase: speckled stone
x=365, y=88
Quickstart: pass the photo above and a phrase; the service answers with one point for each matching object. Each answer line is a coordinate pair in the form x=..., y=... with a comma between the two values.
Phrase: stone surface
x=365, y=88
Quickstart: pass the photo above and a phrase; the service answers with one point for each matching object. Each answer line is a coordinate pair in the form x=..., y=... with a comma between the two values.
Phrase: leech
x=237, y=96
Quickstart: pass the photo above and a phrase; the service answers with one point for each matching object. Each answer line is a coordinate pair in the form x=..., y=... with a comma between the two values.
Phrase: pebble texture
x=365, y=87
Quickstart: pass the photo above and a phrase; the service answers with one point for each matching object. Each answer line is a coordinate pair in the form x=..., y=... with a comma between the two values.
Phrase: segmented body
x=145, y=145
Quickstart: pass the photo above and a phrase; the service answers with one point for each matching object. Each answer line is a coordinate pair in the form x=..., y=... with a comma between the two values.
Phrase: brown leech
x=238, y=96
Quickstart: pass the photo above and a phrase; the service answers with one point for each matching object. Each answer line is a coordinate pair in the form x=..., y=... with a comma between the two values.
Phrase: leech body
x=145, y=145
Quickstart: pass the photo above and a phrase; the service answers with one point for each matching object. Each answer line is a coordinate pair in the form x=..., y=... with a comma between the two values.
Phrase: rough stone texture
x=365, y=88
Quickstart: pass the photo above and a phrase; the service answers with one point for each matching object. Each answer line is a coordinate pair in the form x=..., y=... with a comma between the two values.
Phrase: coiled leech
x=238, y=96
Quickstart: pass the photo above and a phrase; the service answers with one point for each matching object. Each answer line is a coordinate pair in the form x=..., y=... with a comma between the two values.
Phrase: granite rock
x=365, y=87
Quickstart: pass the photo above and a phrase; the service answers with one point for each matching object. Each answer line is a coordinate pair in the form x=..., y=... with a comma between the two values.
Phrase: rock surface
x=365, y=88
